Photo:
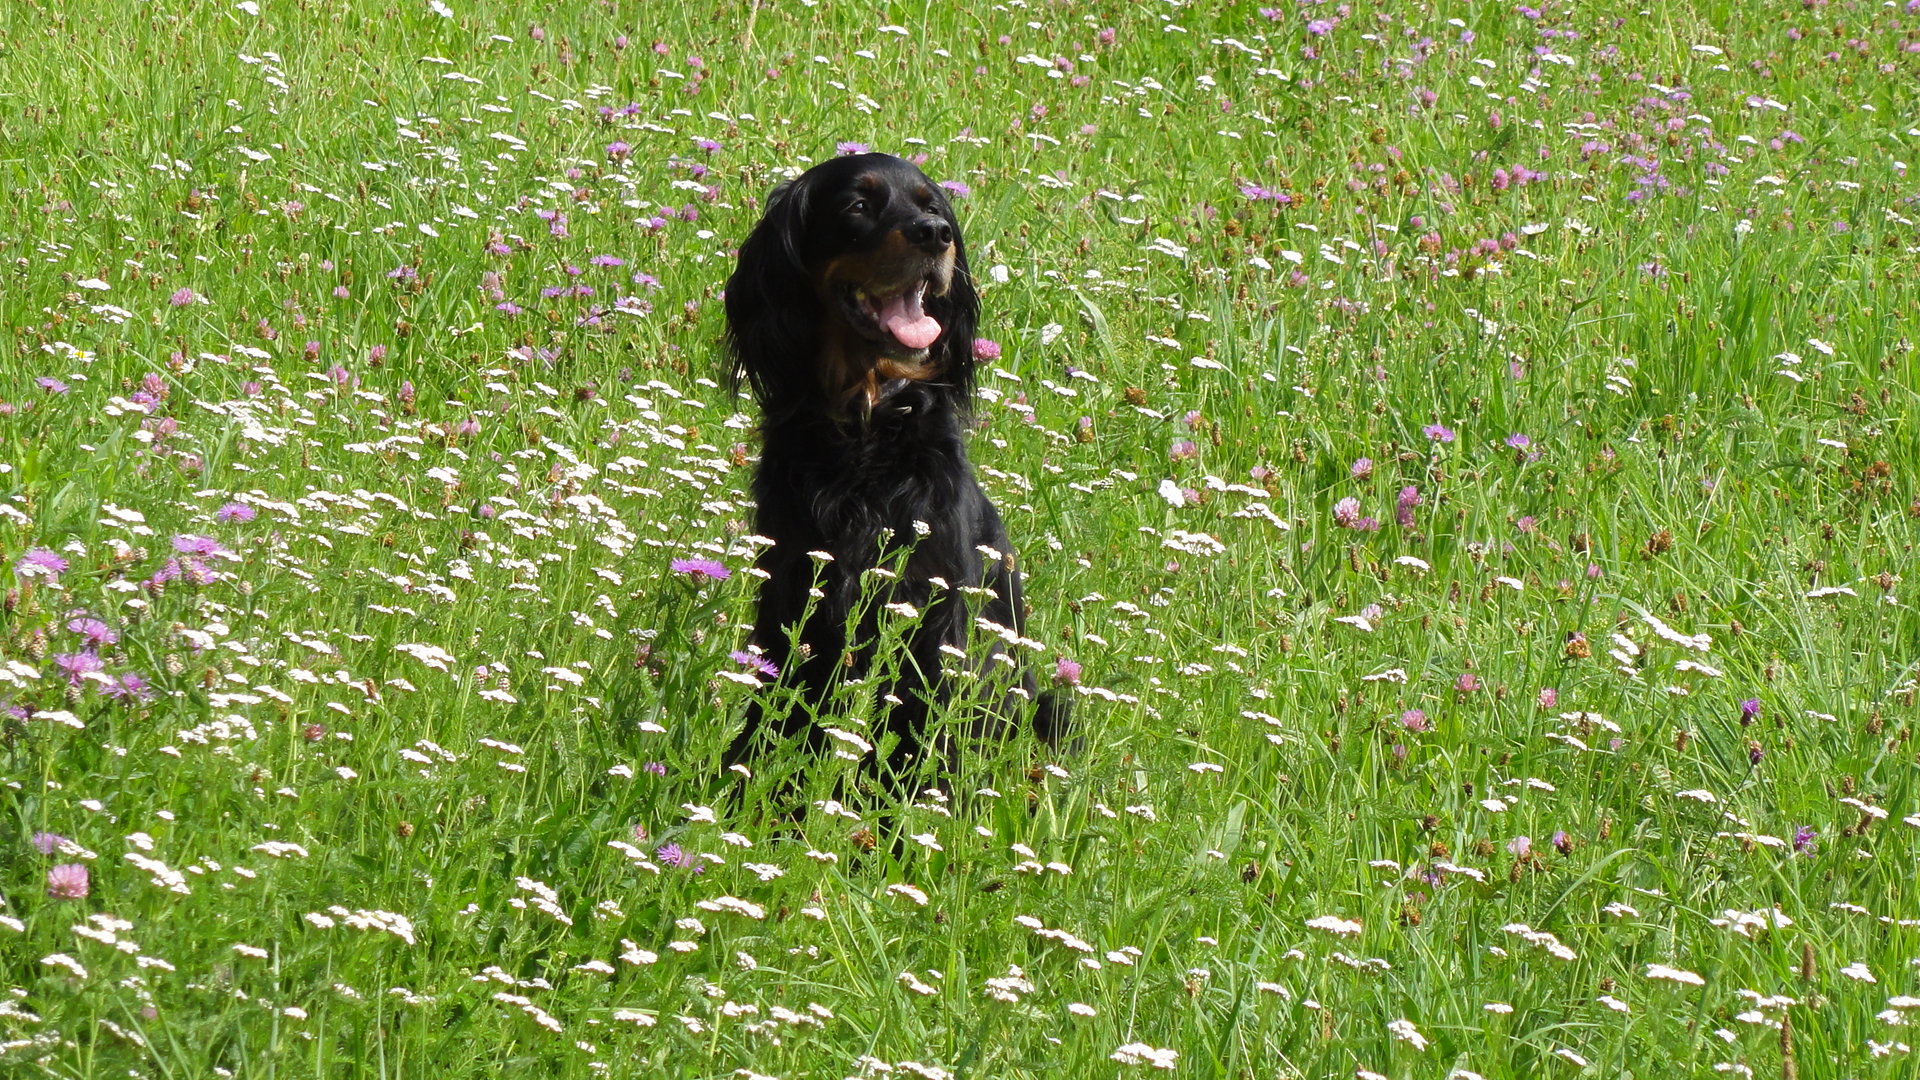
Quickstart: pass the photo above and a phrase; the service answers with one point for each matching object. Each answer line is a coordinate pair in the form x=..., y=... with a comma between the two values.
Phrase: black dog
x=852, y=315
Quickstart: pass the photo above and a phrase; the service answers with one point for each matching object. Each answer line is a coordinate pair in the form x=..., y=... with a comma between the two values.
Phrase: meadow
x=1463, y=457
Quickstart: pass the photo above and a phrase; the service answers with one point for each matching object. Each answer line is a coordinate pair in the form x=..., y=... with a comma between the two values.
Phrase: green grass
x=348, y=191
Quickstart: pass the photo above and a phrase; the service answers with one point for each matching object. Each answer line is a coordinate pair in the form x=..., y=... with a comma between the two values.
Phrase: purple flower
x=673, y=856
x=1438, y=433
x=77, y=665
x=1549, y=697
x=755, y=663
x=51, y=385
x=68, y=881
x=1519, y=441
x=234, y=511
x=1749, y=711
x=130, y=687
x=39, y=562
x=986, y=349
x=701, y=569
x=1519, y=846
x=617, y=151
x=1403, y=506
x=651, y=768
x=182, y=297
x=1346, y=513
x=1561, y=842
x=1803, y=840
x=958, y=189
x=852, y=148
x=46, y=842
x=1184, y=450
x=92, y=631
x=1320, y=27
x=1415, y=720
x=1467, y=683
x=198, y=545
x=1362, y=469
x=1066, y=672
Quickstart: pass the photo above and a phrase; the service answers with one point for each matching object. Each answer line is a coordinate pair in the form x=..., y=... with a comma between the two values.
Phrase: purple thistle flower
x=41, y=562
x=77, y=665
x=198, y=545
x=701, y=569
x=957, y=188
x=1438, y=433
x=755, y=663
x=1519, y=441
x=130, y=687
x=51, y=385
x=852, y=148
x=92, y=631
x=672, y=855
x=1803, y=837
x=234, y=511
x=1749, y=711
x=68, y=881
x=1561, y=842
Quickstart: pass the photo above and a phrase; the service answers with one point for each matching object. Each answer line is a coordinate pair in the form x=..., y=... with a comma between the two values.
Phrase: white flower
x=1406, y=1032
x=903, y=889
x=1673, y=974
x=1137, y=1053
x=1334, y=924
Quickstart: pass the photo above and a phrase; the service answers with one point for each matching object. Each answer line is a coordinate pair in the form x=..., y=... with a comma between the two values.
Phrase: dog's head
x=854, y=279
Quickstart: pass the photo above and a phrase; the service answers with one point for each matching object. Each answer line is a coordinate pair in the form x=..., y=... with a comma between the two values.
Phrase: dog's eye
x=859, y=206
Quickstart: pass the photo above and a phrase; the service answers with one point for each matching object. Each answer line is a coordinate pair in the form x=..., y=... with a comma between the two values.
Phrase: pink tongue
x=904, y=319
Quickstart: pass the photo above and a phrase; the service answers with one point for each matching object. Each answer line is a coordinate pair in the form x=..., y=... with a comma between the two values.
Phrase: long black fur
x=852, y=475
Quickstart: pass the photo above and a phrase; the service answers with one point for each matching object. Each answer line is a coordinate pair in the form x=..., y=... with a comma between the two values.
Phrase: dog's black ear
x=771, y=313
x=959, y=315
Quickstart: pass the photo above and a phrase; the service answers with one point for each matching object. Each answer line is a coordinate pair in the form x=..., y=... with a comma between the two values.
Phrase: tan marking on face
x=853, y=367
x=889, y=269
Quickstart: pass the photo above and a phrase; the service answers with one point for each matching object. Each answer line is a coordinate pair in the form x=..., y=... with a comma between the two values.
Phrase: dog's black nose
x=929, y=233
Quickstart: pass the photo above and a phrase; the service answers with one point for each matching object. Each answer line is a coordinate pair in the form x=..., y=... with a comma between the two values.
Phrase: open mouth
x=899, y=321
